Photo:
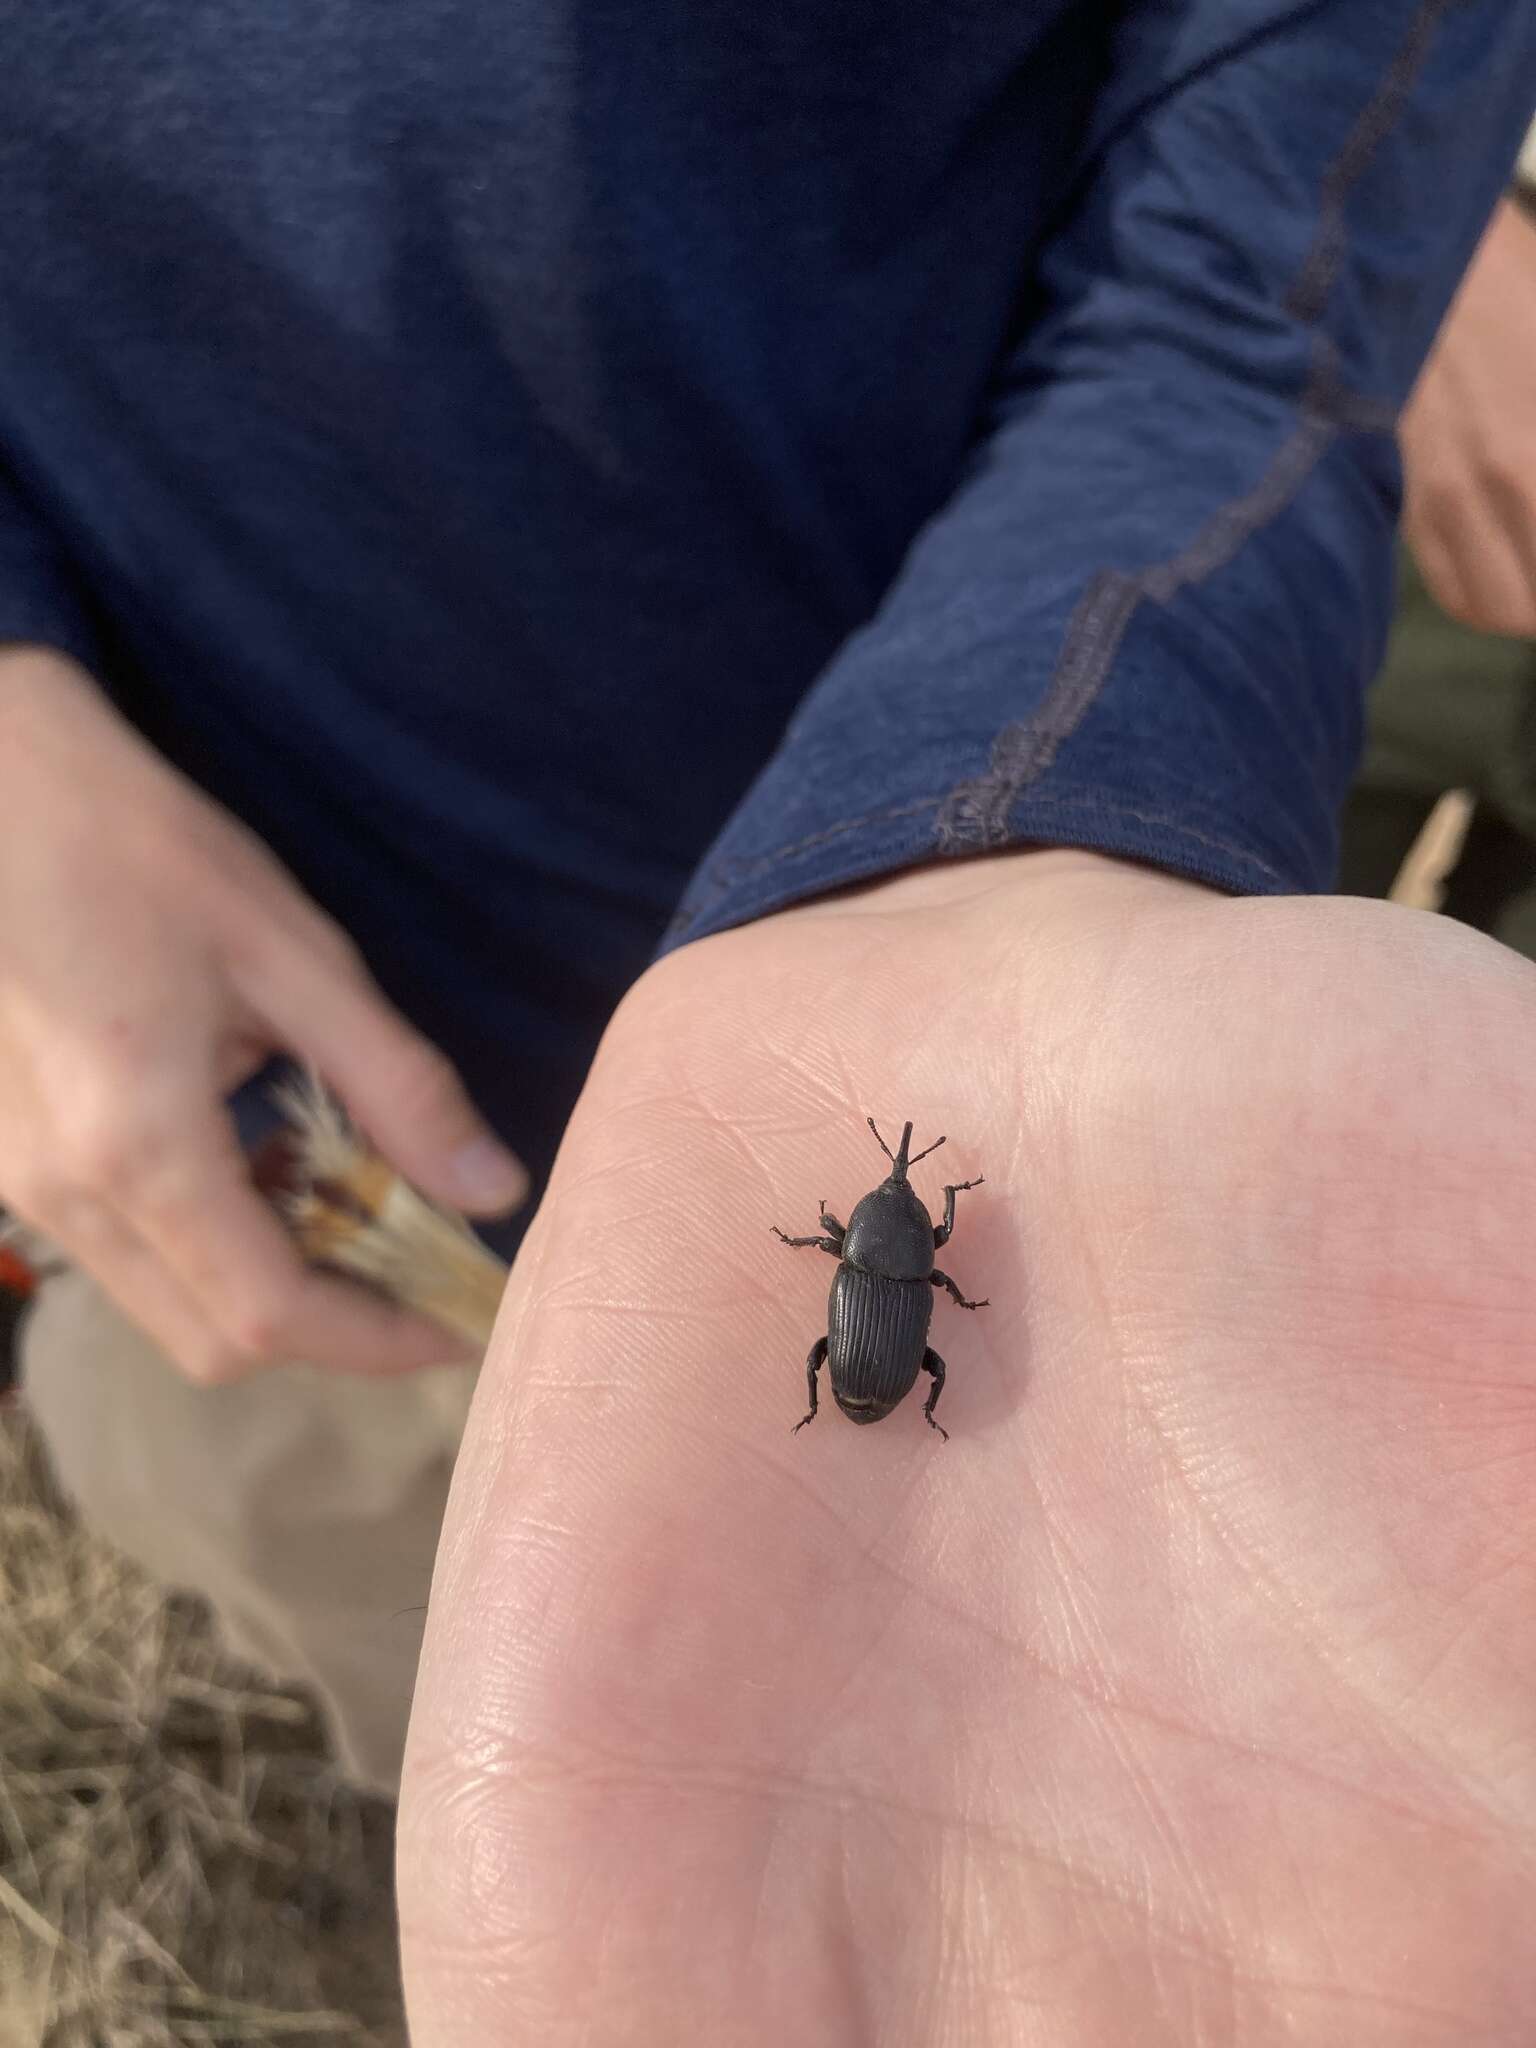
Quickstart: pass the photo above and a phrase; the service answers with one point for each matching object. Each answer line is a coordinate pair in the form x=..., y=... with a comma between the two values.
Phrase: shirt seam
x=975, y=815
x=731, y=875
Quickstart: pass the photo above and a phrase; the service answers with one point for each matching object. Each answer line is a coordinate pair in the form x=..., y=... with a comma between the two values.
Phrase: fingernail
x=487, y=1176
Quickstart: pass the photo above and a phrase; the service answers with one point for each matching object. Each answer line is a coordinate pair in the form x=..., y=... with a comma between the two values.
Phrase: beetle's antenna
x=899, y=1160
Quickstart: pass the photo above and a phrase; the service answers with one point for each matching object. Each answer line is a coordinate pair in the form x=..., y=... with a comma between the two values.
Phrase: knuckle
x=102, y=1152
x=217, y=1363
x=254, y=1330
x=108, y=1145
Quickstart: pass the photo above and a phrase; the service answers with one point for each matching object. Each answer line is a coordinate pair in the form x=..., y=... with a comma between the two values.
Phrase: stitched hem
x=754, y=888
x=732, y=874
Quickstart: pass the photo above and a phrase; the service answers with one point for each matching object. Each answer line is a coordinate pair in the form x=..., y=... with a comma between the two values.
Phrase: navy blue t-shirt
x=575, y=473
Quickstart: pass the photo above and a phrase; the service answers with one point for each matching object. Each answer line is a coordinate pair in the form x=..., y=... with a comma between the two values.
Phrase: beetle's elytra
x=882, y=1294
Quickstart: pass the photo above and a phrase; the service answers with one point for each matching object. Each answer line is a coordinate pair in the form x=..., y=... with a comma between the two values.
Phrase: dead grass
x=179, y=1864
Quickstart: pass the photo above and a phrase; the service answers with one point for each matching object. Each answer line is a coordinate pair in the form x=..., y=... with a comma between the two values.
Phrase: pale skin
x=1183, y=1697
x=153, y=954
x=1186, y=1696
x=1469, y=440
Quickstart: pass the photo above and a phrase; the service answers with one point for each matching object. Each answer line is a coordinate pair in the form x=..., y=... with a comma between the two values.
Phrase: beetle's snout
x=900, y=1162
x=901, y=1158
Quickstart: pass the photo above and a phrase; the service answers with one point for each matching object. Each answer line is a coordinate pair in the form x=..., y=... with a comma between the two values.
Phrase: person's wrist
x=1024, y=930
x=1040, y=877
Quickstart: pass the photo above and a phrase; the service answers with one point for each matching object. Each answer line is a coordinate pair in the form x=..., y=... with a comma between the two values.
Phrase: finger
x=1476, y=577
x=205, y=1220
x=1503, y=599
x=143, y=1287
x=1511, y=495
x=400, y=1088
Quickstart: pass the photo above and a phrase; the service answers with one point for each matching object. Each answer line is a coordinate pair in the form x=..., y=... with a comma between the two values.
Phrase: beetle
x=881, y=1301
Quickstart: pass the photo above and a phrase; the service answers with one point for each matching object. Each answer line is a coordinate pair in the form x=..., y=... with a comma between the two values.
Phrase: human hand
x=152, y=955
x=1186, y=1693
x=1468, y=439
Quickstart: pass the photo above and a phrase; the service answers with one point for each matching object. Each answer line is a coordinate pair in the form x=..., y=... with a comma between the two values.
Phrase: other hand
x=1469, y=441
x=152, y=955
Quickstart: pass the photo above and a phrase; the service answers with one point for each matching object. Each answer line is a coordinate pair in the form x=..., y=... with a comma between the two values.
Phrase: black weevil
x=877, y=1318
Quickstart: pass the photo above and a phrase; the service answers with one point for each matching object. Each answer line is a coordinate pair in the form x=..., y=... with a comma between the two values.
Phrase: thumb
x=399, y=1088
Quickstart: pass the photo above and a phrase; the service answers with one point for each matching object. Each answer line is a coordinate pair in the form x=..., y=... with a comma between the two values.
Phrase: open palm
x=1188, y=1694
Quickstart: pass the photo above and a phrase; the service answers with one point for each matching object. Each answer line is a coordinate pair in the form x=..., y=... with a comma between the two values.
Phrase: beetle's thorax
x=890, y=1232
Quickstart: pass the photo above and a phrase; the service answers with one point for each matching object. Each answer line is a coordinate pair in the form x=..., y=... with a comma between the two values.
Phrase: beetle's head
x=899, y=1160
x=862, y=1409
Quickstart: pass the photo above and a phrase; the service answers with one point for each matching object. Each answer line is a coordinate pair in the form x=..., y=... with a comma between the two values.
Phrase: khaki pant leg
x=304, y=1506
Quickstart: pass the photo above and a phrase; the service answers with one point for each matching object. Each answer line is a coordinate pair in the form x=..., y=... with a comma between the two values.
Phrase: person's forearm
x=1146, y=619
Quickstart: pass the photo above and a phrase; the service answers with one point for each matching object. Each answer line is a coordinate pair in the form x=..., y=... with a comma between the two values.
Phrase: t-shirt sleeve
x=1145, y=621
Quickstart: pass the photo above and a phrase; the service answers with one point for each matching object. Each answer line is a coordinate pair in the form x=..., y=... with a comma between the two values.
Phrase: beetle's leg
x=812, y=1366
x=831, y=1226
x=941, y=1234
x=932, y=1363
x=943, y=1280
x=834, y=1245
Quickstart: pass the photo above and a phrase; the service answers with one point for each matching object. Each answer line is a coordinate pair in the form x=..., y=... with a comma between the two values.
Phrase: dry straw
x=180, y=1865
x=350, y=1210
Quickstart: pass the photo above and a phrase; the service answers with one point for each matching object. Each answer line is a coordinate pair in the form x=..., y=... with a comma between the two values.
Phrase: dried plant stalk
x=350, y=1210
x=1431, y=860
x=180, y=1863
